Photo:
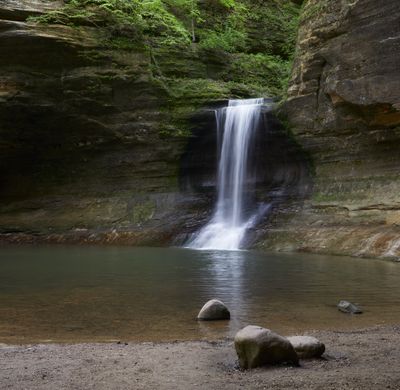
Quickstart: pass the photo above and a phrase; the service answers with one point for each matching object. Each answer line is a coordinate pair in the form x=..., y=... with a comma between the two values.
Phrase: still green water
x=71, y=294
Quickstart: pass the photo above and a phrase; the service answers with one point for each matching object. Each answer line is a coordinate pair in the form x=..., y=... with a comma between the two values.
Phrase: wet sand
x=361, y=359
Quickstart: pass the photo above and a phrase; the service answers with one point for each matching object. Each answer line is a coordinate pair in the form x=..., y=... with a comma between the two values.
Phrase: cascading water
x=236, y=126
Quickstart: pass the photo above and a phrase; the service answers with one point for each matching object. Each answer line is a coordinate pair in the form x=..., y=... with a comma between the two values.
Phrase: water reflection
x=78, y=294
x=226, y=282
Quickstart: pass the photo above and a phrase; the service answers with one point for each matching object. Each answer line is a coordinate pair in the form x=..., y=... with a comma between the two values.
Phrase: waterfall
x=236, y=126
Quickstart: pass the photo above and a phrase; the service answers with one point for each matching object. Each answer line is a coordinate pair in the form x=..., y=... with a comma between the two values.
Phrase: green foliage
x=145, y=19
x=225, y=30
x=198, y=50
x=233, y=26
x=261, y=71
x=162, y=26
x=228, y=3
x=116, y=14
x=229, y=40
x=188, y=94
x=275, y=23
x=188, y=8
x=122, y=43
x=196, y=89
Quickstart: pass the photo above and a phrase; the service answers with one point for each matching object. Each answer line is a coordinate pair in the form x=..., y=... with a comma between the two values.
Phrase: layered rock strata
x=344, y=109
x=84, y=155
x=95, y=142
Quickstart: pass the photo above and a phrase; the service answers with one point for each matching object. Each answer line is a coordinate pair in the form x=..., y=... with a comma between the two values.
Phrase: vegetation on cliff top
x=246, y=42
x=199, y=50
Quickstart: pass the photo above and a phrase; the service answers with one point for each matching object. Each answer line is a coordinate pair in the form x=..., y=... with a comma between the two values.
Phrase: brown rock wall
x=344, y=109
x=80, y=144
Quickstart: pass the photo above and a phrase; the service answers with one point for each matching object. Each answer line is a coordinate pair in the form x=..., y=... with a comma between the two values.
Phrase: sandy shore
x=364, y=359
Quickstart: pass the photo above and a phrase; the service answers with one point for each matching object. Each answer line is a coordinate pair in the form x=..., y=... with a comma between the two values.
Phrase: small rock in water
x=214, y=310
x=307, y=347
x=257, y=346
x=348, y=307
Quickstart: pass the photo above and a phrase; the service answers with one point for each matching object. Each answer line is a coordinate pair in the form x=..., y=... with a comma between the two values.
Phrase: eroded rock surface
x=83, y=151
x=94, y=125
x=344, y=108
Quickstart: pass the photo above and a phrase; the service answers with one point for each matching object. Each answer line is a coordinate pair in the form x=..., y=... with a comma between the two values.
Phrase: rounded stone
x=307, y=347
x=348, y=307
x=257, y=346
x=214, y=310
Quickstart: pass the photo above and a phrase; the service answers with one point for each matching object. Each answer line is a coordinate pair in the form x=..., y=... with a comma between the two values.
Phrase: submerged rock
x=257, y=346
x=348, y=307
x=214, y=310
x=307, y=347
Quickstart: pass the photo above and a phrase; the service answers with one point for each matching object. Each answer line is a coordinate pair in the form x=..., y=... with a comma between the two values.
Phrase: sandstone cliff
x=344, y=108
x=94, y=122
x=77, y=126
x=97, y=143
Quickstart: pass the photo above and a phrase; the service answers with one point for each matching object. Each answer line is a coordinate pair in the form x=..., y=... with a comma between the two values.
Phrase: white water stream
x=236, y=125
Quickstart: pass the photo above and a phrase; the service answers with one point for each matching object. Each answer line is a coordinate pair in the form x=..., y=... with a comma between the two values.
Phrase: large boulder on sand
x=256, y=346
x=307, y=347
x=214, y=310
x=348, y=307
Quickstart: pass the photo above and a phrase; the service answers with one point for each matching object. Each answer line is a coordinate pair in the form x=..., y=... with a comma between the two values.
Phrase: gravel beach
x=362, y=359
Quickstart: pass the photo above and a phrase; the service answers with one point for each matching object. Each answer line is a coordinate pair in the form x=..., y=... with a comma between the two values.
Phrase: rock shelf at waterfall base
x=363, y=359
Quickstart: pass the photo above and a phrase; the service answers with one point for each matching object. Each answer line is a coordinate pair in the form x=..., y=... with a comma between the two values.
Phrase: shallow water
x=72, y=294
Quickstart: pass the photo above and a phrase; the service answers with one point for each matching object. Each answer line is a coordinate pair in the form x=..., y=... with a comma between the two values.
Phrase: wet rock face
x=276, y=163
x=81, y=150
x=21, y=9
x=92, y=137
x=280, y=171
x=344, y=109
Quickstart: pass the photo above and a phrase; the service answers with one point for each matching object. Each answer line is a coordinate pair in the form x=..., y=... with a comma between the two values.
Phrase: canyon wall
x=102, y=138
x=95, y=118
x=83, y=151
x=343, y=107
